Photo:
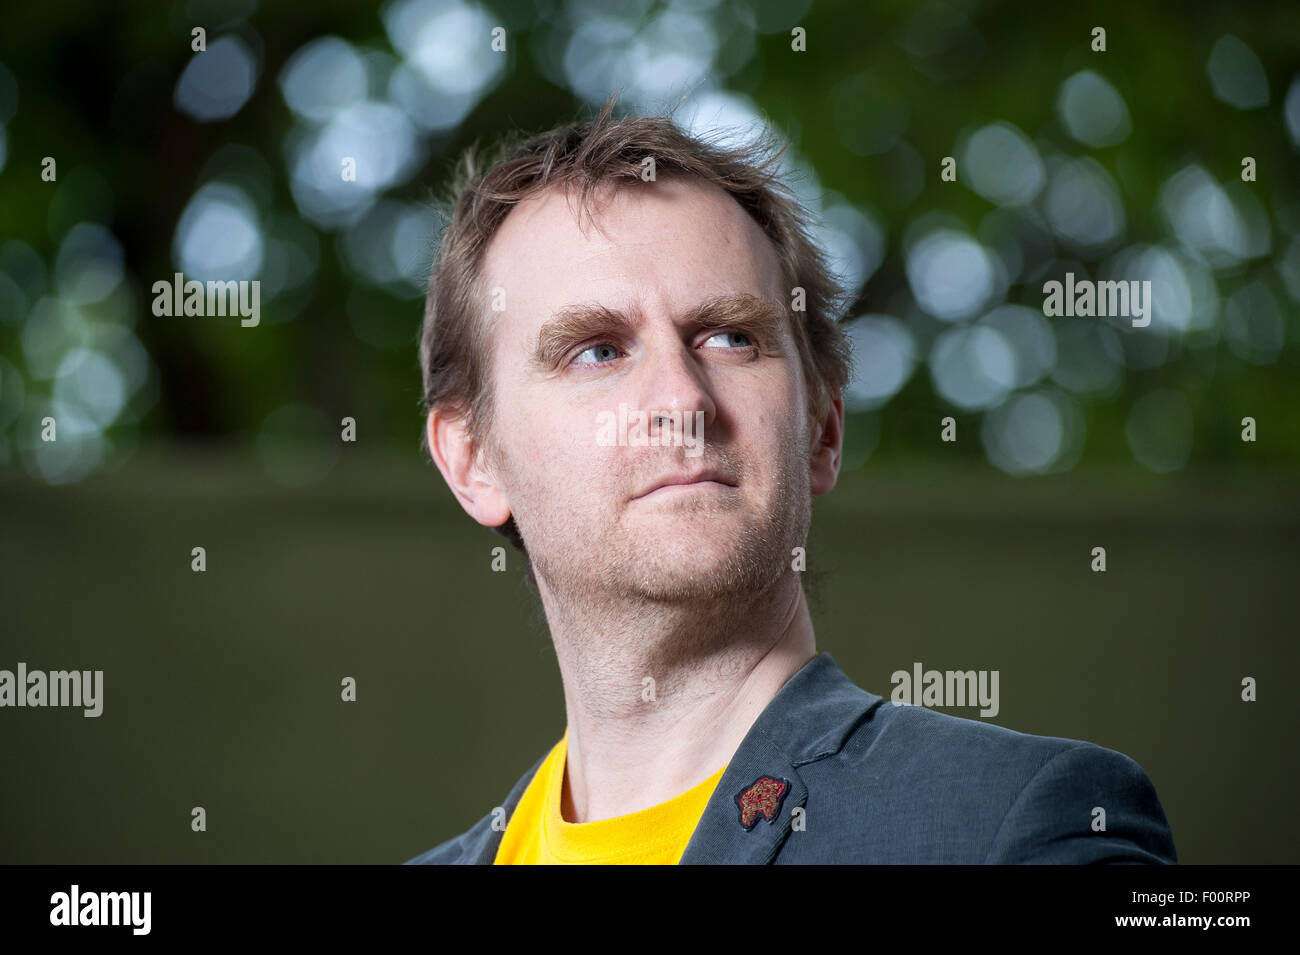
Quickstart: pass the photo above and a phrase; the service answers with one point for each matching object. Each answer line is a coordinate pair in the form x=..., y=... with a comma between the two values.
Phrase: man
x=618, y=271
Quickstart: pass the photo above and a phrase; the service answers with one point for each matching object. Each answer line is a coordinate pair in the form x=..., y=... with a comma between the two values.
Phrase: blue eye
x=731, y=337
x=604, y=352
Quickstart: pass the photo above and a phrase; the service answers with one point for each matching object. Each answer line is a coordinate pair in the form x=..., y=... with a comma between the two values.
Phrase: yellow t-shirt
x=537, y=833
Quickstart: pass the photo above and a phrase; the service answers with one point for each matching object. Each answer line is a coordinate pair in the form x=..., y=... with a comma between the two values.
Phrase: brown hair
x=453, y=344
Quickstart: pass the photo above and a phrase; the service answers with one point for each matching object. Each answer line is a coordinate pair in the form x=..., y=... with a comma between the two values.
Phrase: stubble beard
x=627, y=563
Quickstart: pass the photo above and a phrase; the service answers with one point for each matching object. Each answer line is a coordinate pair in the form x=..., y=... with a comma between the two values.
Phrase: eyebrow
x=573, y=324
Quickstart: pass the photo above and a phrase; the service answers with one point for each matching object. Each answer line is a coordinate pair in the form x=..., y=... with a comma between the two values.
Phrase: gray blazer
x=830, y=773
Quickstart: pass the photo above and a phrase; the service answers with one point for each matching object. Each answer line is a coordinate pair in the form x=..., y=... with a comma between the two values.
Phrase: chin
x=704, y=569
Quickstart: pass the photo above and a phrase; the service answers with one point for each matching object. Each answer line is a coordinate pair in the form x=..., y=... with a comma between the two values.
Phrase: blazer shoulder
x=1069, y=800
x=945, y=789
x=1011, y=755
x=453, y=850
x=1087, y=804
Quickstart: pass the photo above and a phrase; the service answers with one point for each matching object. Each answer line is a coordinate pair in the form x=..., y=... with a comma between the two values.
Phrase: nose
x=672, y=383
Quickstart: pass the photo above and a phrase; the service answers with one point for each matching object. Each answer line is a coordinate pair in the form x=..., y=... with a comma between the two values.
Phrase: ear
x=464, y=470
x=824, y=455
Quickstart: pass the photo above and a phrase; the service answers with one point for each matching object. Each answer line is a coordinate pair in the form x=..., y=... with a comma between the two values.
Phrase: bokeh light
x=218, y=81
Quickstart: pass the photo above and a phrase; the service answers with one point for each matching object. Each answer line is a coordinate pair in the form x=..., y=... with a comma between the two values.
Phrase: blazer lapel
x=760, y=789
x=750, y=814
x=482, y=847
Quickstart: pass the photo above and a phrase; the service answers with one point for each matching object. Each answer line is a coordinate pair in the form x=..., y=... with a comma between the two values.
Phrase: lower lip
x=674, y=489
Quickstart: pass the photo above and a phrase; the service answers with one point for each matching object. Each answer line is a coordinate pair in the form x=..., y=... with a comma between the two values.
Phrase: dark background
x=330, y=559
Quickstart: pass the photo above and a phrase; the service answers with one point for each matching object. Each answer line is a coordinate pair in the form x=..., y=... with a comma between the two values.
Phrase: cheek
x=555, y=454
x=771, y=412
x=776, y=437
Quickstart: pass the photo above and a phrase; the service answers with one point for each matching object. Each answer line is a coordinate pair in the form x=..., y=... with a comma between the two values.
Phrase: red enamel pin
x=763, y=798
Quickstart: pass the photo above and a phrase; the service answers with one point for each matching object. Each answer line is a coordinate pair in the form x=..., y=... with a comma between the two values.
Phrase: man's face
x=737, y=502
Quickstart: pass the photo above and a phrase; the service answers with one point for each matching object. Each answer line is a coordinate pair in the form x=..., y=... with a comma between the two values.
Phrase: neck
x=658, y=697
